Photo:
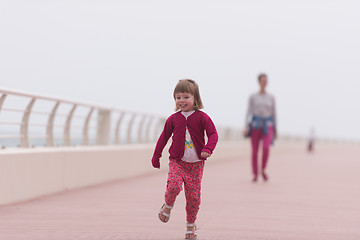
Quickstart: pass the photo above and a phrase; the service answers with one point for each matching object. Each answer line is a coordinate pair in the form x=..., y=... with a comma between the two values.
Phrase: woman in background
x=261, y=125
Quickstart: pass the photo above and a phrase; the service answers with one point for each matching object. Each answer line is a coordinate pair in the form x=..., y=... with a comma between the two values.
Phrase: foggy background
x=130, y=55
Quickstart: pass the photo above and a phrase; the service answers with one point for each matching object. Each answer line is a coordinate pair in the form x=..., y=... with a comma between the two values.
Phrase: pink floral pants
x=190, y=174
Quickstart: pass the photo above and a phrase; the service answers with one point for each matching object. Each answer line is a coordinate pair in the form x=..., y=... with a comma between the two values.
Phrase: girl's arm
x=161, y=143
x=211, y=134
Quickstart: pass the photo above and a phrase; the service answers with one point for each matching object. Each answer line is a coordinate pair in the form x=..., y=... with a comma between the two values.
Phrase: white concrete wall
x=30, y=173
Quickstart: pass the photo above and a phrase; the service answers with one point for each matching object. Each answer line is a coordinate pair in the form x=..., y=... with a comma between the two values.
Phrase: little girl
x=188, y=151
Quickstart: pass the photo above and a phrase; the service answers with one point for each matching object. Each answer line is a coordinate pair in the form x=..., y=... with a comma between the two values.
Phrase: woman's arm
x=274, y=118
x=250, y=110
x=249, y=113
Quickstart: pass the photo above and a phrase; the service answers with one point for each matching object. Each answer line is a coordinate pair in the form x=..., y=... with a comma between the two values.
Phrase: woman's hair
x=261, y=75
x=189, y=86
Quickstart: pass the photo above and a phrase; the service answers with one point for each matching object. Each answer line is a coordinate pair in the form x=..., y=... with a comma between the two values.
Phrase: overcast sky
x=129, y=54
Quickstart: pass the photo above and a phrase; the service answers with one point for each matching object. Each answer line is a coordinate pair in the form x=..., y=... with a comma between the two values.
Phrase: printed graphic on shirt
x=188, y=141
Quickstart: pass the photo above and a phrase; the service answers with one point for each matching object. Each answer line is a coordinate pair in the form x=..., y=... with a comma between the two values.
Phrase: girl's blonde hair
x=189, y=86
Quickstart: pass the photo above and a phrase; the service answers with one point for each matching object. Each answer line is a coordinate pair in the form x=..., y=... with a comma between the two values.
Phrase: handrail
x=7, y=91
x=103, y=124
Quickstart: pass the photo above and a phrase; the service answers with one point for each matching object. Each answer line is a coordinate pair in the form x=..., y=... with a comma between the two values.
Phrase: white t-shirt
x=190, y=154
x=262, y=105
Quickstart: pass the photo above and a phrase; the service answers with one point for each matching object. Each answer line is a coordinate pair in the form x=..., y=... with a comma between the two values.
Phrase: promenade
x=308, y=197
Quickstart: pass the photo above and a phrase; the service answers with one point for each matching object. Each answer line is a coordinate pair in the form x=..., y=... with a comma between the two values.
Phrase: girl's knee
x=173, y=187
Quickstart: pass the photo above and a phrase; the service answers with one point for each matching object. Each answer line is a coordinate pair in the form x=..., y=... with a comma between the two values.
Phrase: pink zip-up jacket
x=198, y=123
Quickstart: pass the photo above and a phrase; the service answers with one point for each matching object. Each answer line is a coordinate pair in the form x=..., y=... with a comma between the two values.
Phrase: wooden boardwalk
x=309, y=197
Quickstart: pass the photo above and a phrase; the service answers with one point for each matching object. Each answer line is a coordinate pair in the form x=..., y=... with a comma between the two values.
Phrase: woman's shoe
x=255, y=178
x=265, y=177
x=191, y=234
x=162, y=213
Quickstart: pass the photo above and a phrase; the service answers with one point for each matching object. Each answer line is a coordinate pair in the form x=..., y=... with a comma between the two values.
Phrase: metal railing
x=77, y=123
x=29, y=120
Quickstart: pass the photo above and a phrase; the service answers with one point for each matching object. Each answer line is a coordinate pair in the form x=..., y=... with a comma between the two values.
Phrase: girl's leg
x=266, y=148
x=255, y=139
x=174, y=182
x=173, y=188
x=192, y=183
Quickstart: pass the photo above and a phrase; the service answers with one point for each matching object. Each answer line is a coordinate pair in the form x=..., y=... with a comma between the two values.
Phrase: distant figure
x=311, y=140
x=261, y=125
x=188, y=152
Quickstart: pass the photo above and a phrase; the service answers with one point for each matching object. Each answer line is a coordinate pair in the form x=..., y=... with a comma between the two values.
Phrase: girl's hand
x=205, y=154
x=155, y=163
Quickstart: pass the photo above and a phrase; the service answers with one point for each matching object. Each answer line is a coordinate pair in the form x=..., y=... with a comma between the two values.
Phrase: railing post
x=221, y=133
x=2, y=99
x=50, y=126
x=130, y=128
x=147, y=131
x=140, y=130
x=67, y=140
x=159, y=127
x=227, y=134
x=117, y=128
x=24, y=137
x=103, y=127
x=85, y=141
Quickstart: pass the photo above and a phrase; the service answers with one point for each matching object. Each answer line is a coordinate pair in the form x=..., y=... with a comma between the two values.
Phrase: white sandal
x=192, y=232
x=163, y=213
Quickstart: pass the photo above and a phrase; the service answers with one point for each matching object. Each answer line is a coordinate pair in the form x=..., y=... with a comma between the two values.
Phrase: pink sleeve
x=161, y=143
x=211, y=134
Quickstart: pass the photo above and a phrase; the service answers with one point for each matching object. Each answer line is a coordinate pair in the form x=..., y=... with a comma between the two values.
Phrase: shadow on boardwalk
x=310, y=197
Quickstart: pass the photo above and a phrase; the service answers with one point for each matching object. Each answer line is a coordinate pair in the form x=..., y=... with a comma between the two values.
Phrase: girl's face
x=184, y=101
